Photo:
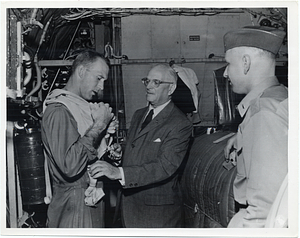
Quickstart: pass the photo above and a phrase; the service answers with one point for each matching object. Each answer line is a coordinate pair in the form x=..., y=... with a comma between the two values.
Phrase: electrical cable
x=67, y=51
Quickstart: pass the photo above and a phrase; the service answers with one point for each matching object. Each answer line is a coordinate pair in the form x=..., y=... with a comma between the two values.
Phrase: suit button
x=132, y=145
x=135, y=184
x=130, y=185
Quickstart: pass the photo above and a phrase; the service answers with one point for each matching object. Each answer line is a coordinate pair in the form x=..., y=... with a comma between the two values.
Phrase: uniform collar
x=256, y=92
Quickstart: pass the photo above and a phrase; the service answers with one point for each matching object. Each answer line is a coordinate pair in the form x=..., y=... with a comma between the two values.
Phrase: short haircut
x=169, y=72
x=258, y=52
x=264, y=53
x=86, y=58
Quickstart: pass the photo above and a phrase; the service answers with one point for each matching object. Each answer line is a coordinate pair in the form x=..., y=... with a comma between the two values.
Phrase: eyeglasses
x=156, y=82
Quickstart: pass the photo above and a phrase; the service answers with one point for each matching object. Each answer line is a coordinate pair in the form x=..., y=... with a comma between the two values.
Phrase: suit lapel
x=136, y=124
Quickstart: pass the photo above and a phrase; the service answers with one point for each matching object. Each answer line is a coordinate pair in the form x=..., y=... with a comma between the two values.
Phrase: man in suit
x=152, y=157
x=261, y=143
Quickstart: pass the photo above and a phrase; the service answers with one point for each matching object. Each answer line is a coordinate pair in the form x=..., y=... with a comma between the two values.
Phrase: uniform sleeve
x=169, y=158
x=266, y=149
x=70, y=152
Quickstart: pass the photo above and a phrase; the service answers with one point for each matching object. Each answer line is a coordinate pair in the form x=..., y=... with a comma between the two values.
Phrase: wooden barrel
x=30, y=163
x=207, y=184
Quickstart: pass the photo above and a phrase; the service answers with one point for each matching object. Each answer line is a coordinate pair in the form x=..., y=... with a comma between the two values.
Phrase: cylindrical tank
x=30, y=162
x=207, y=185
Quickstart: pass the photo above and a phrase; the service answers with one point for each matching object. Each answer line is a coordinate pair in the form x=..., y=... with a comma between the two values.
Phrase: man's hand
x=102, y=168
x=113, y=126
x=231, y=143
x=102, y=116
x=101, y=113
x=115, y=153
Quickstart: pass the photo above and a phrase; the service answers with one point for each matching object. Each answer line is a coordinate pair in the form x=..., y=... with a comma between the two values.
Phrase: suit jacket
x=151, y=160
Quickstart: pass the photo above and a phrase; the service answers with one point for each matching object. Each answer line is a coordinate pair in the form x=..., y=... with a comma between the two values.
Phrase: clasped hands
x=103, y=112
x=103, y=119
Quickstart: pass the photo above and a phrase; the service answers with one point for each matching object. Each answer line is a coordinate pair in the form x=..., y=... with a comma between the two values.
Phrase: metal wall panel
x=190, y=28
x=134, y=89
x=216, y=28
x=165, y=33
x=136, y=37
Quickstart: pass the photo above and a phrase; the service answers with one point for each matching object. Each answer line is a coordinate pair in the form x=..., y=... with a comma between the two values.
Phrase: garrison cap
x=262, y=37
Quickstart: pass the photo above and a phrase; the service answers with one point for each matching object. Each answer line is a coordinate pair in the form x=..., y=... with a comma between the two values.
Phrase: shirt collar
x=256, y=92
x=158, y=109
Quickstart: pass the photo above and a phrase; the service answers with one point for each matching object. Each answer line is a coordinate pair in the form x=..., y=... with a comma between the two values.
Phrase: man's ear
x=246, y=63
x=81, y=71
x=172, y=88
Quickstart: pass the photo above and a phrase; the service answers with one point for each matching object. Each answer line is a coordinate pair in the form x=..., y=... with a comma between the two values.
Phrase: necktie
x=147, y=119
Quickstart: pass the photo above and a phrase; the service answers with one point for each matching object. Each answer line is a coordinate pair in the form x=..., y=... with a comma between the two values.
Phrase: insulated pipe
x=43, y=35
x=28, y=70
x=19, y=59
x=32, y=19
x=38, y=76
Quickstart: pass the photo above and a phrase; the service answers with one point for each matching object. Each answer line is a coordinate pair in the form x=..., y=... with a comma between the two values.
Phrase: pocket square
x=157, y=140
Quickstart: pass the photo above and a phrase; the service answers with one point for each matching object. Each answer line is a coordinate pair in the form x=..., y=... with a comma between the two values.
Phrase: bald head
x=160, y=93
x=168, y=74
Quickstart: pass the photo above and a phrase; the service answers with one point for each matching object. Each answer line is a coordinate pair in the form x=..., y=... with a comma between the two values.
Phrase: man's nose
x=150, y=84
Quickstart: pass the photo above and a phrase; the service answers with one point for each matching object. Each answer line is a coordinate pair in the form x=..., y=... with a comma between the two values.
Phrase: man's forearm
x=96, y=133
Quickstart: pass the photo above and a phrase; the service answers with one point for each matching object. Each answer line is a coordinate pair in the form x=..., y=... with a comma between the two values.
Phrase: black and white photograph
x=130, y=118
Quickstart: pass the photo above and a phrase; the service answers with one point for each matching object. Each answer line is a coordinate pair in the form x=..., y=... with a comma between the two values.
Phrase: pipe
x=32, y=19
x=33, y=15
x=38, y=76
x=28, y=70
x=19, y=60
x=43, y=35
x=176, y=61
